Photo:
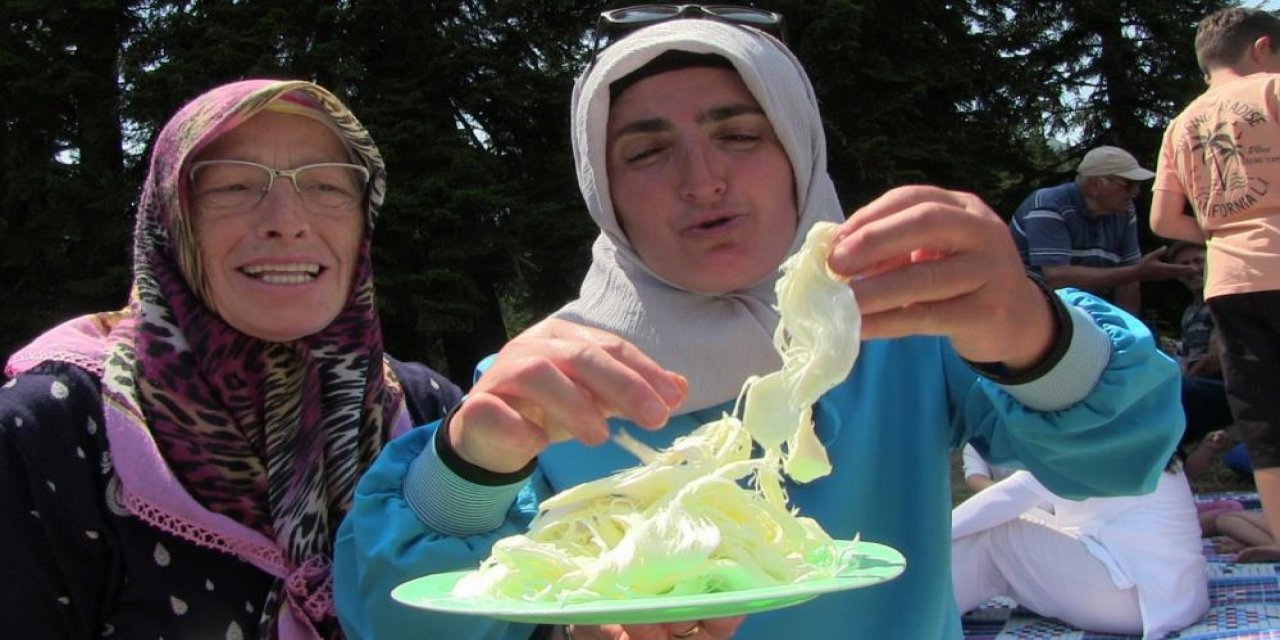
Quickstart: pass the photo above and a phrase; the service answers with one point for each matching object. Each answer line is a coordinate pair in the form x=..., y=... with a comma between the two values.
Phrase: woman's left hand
x=712, y=629
x=924, y=260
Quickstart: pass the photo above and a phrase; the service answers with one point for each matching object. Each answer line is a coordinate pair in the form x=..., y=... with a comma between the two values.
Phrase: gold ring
x=688, y=633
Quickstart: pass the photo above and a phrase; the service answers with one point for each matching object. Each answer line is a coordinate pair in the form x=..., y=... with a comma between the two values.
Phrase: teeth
x=307, y=267
x=287, y=279
x=293, y=273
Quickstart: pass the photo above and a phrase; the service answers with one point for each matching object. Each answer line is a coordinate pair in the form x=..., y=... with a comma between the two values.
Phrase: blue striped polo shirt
x=1053, y=227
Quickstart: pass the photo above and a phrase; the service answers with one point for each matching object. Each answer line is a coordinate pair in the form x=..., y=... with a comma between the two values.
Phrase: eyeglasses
x=238, y=185
x=615, y=23
x=1133, y=186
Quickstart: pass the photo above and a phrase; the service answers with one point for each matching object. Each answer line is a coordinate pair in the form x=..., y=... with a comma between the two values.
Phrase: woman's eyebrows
x=715, y=114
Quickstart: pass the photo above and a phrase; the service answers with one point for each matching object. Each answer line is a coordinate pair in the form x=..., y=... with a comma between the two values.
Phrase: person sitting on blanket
x=1197, y=462
x=1246, y=534
x=1123, y=565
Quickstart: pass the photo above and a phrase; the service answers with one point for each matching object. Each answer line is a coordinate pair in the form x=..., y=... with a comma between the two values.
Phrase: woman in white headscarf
x=1071, y=387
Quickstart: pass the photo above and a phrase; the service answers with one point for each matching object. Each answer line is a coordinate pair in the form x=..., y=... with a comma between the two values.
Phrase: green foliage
x=911, y=93
x=468, y=102
x=64, y=199
x=483, y=231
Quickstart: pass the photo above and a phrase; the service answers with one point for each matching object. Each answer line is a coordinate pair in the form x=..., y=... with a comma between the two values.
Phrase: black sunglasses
x=615, y=23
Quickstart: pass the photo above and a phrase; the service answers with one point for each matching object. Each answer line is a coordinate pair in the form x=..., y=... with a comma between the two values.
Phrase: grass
x=1219, y=478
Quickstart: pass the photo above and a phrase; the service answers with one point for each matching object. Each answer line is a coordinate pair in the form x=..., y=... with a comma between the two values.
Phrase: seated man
x=1204, y=395
x=1198, y=347
x=1084, y=233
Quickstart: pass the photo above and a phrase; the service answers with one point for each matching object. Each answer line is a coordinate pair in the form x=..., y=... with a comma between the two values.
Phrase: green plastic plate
x=877, y=563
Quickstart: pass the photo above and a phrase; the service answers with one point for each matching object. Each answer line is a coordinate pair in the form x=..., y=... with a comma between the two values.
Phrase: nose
x=282, y=213
x=702, y=174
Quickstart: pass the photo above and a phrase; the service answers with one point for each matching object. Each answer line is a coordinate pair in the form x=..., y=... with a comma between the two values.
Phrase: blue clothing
x=1237, y=460
x=1205, y=402
x=1053, y=227
x=1197, y=328
x=889, y=429
x=1203, y=397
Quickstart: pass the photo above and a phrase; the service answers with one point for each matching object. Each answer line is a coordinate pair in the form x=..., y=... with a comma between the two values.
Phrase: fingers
x=671, y=387
x=560, y=374
x=918, y=283
x=619, y=632
x=713, y=629
x=1168, y=270
x=921, y=223
x=923, y=260
x=687, y=632
x=722, y=627
x=940, y=246
x=592, y=632
x=558, y=381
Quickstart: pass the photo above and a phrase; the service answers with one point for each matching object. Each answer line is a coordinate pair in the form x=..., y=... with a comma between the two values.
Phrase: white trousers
x=1044, y=570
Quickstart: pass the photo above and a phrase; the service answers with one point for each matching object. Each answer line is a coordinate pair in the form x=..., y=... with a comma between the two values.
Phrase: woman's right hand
x=710, y=629
x=559, y=380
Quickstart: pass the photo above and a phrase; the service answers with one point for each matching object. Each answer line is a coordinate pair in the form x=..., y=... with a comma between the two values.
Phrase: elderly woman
x=179, y=468
x=701, y=157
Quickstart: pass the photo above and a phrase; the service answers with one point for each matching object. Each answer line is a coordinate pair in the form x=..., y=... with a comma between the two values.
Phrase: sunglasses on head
x=616, y=23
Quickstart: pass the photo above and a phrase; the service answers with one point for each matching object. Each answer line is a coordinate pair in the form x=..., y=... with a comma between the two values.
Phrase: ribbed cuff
x=468, y=471
x=450, y=504
x=1075, y=374
x=1062, y=335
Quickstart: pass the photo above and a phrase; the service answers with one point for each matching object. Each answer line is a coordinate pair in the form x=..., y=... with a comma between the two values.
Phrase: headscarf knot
x=309, y=588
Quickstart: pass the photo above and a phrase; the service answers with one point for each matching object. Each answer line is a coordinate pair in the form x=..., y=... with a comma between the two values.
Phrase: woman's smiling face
x=277, y=270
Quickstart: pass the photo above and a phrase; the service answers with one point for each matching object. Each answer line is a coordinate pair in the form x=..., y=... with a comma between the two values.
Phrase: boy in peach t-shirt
x=1222, y=153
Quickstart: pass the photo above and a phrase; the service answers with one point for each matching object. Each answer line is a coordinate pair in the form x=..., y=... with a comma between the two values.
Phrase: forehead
x=268, y=132
x=678, y=94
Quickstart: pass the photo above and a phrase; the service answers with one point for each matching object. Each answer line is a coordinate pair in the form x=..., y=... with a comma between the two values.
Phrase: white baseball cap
x=1112, y=161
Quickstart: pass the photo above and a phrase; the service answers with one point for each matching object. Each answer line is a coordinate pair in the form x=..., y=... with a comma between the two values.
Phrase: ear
x=1261, y=49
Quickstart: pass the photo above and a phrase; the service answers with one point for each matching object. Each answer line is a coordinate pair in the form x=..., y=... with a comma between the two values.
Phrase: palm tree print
x=1219, y=150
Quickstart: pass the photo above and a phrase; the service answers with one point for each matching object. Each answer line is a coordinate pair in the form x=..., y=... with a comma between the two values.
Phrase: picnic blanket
x=1244, y=602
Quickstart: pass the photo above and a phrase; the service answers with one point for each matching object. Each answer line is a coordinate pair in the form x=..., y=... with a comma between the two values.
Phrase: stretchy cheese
x=703, y=515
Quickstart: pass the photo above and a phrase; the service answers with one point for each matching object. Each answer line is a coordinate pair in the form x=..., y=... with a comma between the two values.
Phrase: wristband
x=471, y=472
x=1063, y=332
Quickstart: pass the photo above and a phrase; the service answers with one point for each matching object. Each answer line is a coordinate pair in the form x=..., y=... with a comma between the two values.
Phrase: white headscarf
x=715, y=341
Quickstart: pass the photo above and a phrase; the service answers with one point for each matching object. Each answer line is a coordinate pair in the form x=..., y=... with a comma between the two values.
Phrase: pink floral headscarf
x=271, y=435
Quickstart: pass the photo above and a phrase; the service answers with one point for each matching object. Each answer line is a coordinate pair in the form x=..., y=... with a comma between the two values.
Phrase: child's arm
x=998, y=504
x=1168, y=219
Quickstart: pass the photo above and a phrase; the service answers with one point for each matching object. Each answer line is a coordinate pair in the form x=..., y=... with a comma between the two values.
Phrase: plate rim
x=891, y=564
